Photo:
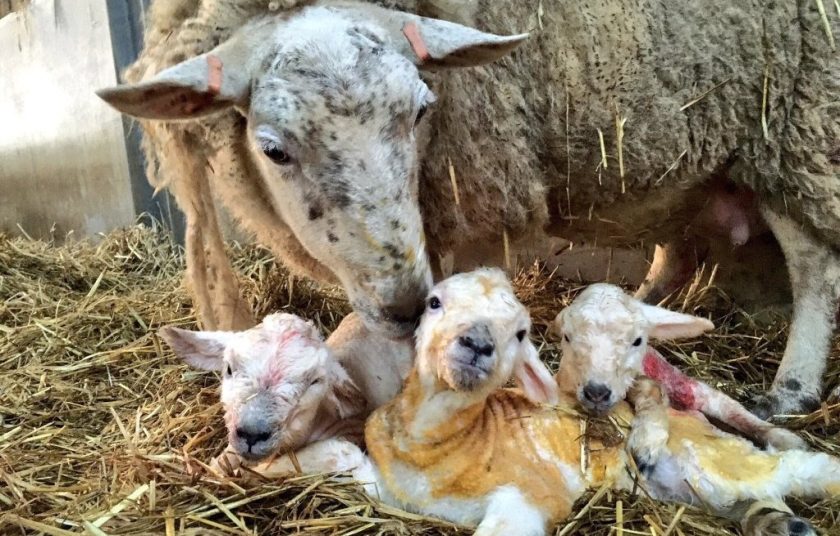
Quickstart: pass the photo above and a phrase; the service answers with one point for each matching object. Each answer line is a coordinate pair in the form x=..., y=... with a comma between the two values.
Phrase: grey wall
x=63, y=160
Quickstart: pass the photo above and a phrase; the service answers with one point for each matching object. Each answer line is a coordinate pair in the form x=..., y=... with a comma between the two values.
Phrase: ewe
x=322, y=146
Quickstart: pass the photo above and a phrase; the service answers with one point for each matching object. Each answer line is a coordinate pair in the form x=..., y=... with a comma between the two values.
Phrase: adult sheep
x=330, y=164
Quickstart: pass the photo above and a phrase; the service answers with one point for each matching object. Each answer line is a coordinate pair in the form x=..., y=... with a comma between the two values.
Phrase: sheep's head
x=474, y=336
x=275, y=379
x=605, y=333
x=334, y=101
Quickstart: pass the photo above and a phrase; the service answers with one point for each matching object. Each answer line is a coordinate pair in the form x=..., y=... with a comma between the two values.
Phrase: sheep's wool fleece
x=503, y=440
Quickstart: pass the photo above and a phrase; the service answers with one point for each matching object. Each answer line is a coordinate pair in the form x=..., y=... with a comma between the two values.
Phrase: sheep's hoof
x=776, y=523
x=783, y=401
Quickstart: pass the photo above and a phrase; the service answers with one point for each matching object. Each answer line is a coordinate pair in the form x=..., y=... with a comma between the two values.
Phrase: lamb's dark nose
x=478, y=339
x=253, y=436
x=597, y=393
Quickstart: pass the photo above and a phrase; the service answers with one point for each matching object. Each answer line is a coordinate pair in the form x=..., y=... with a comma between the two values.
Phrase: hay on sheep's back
x=103, y=431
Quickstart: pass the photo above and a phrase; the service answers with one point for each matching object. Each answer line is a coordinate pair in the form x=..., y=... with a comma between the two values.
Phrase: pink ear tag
x=214, y=74
x=412, y=33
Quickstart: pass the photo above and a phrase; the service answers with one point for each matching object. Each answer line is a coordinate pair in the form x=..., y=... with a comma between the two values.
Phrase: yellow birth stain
x=487, y=285
x=410, y=256
x=506, y=440
x=722, y=456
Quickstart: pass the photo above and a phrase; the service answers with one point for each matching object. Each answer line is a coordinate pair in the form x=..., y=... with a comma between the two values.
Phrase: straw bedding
x=103, y=431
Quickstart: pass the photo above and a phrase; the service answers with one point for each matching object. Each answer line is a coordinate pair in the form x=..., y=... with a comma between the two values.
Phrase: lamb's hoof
x=646, y=444
x=781, y=439
x=796, y=526
x=226, y=464
x=777, y=523
x=784, y=401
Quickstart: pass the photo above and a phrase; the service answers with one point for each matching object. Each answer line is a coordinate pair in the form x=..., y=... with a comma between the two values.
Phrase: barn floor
x=103, y=431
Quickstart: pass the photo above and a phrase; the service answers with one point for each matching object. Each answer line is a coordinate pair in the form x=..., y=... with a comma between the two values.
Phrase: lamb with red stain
x=605, y=335
x=286, y=389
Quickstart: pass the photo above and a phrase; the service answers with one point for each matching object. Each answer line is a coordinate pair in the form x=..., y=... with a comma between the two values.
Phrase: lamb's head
x=473, y=337
x=276, y=377
x=334, y=100
x=605, y=333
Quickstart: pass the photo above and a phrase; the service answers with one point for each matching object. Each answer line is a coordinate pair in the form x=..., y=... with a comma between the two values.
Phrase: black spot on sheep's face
x=331, y=123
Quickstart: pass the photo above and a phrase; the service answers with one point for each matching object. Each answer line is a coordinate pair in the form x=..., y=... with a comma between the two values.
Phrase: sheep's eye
x=420, y=113
x=434, y=302
x=228, y=370
x=316, y=381
x=520, y=335
x=566, y=338
x=277, y=155
x=637, y=342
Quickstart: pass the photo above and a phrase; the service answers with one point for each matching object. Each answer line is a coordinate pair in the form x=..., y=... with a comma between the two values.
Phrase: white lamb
x=285, y=389
x=605, y=350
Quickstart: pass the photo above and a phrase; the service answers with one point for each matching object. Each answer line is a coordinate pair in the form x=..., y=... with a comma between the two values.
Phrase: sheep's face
x=334, y=104
x=276, y=378
x=605, y=334
x=473, y=334
x=333, y=125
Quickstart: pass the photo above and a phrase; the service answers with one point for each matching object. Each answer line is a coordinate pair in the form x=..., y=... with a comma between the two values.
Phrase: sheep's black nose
x=596, y=392
x=252, y=436
x=478, y=339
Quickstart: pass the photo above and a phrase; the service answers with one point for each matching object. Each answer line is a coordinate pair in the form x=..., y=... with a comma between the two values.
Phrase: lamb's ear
x=199, y=86
x=665, y=324
x=344, y=399
x=556, y=328
x=201, y=349
x=432, y=43
x=534, y=378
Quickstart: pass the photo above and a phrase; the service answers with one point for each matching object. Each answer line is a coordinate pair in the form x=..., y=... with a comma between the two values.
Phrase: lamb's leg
x=770, y=518
x=687, y=393
x=815, y=280
x=648, y=437
x=509, y=512
x=673, y=265
x=327, y=456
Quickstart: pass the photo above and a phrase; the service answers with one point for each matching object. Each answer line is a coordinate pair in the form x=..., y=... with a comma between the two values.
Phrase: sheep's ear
x=534, y=378
x=199, y=86
x=432, y=43
x=201, y=349
x=665, y=324
x=344, y=399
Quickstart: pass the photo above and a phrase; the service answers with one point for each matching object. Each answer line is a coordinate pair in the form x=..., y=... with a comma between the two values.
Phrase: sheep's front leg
x=327, y=456
x=771, y=518
x=509, y=512
x=815, y=280
x=648, y=438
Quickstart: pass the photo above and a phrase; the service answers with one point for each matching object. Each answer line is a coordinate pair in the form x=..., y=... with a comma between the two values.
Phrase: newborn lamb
x=456, y=445
x=605, y=350
x=284, y=389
